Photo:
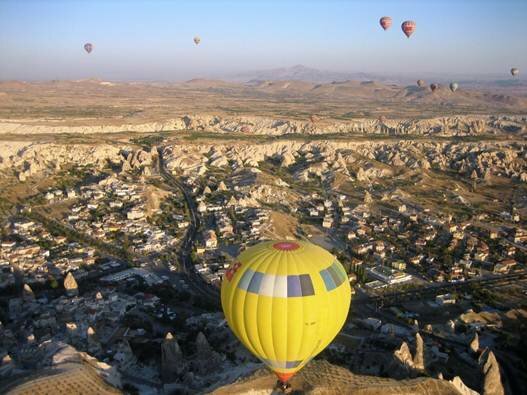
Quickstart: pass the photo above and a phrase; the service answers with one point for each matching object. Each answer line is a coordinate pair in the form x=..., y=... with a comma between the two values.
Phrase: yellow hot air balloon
x=285, y=301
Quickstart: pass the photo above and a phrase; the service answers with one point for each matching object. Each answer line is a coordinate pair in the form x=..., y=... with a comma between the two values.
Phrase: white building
x=202, y=207
x=135, y=214
x=211, y=241
x=445, y=299
x=388, y=275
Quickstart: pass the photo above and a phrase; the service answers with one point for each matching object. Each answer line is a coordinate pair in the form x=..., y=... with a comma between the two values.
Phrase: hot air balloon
x=408, y=28
x=285, y=301
x=386, y=22
x=420, y=83
x=515, y=71
x=88, y=47
x=197, y=40
x=433, y=87
x=454, y=86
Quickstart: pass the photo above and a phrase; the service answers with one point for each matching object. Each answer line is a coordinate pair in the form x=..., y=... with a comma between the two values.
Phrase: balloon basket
x=284, y=387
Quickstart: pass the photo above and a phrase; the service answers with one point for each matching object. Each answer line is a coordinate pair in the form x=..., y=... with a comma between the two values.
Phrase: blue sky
x=152, y=39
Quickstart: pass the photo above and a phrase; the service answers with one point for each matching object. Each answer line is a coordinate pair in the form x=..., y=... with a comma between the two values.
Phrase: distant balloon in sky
x=421, y=83
x=408, y=28
x=197, y=40
x=88, y=47
x=433, y=87
x=386, y=22
x=285, y=301
x=515, y=71
x=454, y=86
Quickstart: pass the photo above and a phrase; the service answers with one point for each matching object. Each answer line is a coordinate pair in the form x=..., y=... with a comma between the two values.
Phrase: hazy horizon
x=152, y=40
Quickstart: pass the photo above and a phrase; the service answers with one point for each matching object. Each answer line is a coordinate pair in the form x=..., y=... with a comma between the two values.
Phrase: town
x=117, y=258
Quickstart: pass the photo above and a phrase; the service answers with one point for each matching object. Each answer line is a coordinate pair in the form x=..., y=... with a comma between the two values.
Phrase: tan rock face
x=363, y=161
x=69, y=282
x=404, y=355
x=27, y=293
x=30, y=159
x=456, y=125
x=419, y=357
x=492, y=377
x=474, y=343
x=461, y=387
x=321, y=377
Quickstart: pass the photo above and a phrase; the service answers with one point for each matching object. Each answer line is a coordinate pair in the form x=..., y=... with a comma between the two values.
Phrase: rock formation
x=222, y=187
x=27, y=294
x=402, y=366
x=460, y=125
x=367, y=198
x=205, y=359
x=321, y=377
x=6, y=366
x=492, y=377
x=461, y=386
x=70, y=284
x=124, y=356
x=94, y=346
x=419, y=357
x=72, y=332
x=65, y=370
x=172, y=360
x=404, y=355
x=474, y=343
x=406, y=364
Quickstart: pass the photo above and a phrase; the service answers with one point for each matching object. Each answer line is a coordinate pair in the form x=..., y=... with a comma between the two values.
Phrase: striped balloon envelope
x=285, y=301
x=408, y=28
x=386, y=22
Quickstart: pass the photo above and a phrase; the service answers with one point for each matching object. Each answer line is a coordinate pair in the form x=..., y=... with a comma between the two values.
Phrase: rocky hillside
x=353, y=160
x=321, y=377
x=62, y=370
x=362, y=161
x=441, y=126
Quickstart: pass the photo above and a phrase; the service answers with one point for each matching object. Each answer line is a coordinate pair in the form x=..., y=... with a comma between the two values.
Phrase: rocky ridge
x=363, y=161
x=461, y=125
x=321, y=377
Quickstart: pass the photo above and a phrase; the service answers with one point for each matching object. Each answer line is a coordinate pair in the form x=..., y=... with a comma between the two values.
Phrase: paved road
x=396, y=297
x=196, y=281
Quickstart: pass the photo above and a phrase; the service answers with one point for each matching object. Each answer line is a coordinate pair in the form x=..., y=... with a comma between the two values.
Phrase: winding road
x=209, y=293
x=397, y=297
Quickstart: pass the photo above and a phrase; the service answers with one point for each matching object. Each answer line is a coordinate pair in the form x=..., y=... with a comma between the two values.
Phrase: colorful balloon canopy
x=285, y=301
x=88, y=47
x=421, y=83
x=386, y=22
x=515, y=71
x=433, y=87
x=197, y=40
x=408, y=28
x=454, y=86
